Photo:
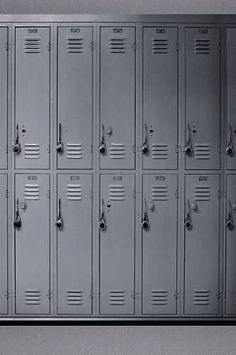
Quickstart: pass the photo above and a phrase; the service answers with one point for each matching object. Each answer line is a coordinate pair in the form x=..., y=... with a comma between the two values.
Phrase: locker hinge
x=49, y=46
x=48, y=193
x=177, y=149
x=7, y=46
x=48, y=148
x=176, y=295
x=222, y=194
x=134, y=46
x=134, y=149
x=91, y=194
x=177, y=47
x=50, y=295
x=176, y=193
x=10, y=295
x=91, y=295
x=219, y=47
x=6, y=151
x=219, y=295
x=6, y=193
x=92, y=46
x=219, y=149
x=91, y=149
x=134, y=295
x=134, y=193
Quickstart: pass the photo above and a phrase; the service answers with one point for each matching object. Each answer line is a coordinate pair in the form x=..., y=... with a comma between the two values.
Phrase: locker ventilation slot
x=202, y=151
x=117, y=193
x=117, y=298
x=75, y=45
x=202, y=193
x=32, y=45
x=74, y=150
x=201, y=297
x=117, y=151
x=159, y=151
x=159, y=298
x=159, y=46
x=74, y=192
x=32, y=151
x=32, y=297
x=31, y=192
x=75, y=298
x=159, y=193
x=202, y=46
x=117, y=45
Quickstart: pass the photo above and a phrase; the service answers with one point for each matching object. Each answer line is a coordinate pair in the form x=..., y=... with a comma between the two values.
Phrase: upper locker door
x=202, y=215
x=32, y=243
x=202, y=123
x=32, y=95
x=3, y=96
x=230, y=225
x=159, y=244
x=117, y=97
x=116, y=224
x=160, y=98
x=74, y=243
x=231, y=102
x=75, y=97
x=3, y=241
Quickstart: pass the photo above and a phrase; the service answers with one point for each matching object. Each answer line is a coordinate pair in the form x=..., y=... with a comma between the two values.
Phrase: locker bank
x=118, y=167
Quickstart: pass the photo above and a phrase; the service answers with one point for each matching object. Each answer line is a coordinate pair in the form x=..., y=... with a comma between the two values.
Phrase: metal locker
x=3, y=241
x=202, y=95
x=117, y=97
x=3, y=96
x=230, y=148
x=159, y=244
x=32, y=216
x=74, y=243
x=160, y=98
x=117, y=211
x=32, y=94
x=202, y=221
x=230, y=230
x=75, y=97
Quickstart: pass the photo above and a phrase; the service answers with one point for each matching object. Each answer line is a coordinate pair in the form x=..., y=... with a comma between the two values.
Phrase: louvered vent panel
x=74, y=151
x=202, y=151
x=31, y=151
x=160, y=46
x=32, y=297
x=201, y=297
x=159, y=192
x=117, y=45
x=31, y=192
x=117, y=193
x=159, y=151
x=117, y=298
x=32, y=45
x=75, y=45
x=74, y=192
x=202, y=46
x=159, y=297
x=202, y=193
x=117, y=151
x=74, y=298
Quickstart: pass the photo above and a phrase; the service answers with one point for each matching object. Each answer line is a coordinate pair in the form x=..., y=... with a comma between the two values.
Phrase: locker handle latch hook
x=17, y=220
x=188, y=219
x=145, y=147
x=17, y=147
x=229, y=219
x=102, y=145
x=59, y=221
x=230, y=147
x=102, y=220
x=188, y=149
x=145, y=219
x=59, y=146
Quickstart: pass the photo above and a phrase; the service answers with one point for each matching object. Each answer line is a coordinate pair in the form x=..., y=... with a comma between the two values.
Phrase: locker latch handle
x=102, y=145
x=229, y=219
x=59, y=146
x=145, y=219
x=16, y=146
x=188, y=149
x=59, y=221
x=145, y=147
x=230, y=147
x=188, y=219
x=102, y=220
x=17, y=220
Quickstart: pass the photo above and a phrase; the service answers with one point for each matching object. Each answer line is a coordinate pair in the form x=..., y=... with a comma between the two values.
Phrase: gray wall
x=117, y=340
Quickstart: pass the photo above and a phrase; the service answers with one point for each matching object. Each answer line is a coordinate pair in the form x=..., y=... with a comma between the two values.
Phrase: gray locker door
x=117, y=244
x=231, y=246
x=3, y=241
x=159, y=244
x=231, y=102
x=75, y=95
x=3, y=96
x=202, y=98
x=117, y=97
x=74, y=243
x=32, y=94
x=202, y=244
x=32, y=244
x=160, y=97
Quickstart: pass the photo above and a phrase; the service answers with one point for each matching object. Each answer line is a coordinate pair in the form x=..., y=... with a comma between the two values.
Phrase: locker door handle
x=59, y=146
x=229, y=219
x=102, y=145
x=188, y=149
x=59, y=222
x=102, y=220
x=145, y=147
x=188, y=220
x=17, y=221
x=230, y=147
x=16, y=146
x=145, y=219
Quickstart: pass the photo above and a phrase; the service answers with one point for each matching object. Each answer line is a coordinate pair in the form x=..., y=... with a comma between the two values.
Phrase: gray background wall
x=117, y=340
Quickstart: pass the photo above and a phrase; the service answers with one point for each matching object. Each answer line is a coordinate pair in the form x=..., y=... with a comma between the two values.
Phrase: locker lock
x=145, y=223
x=17, y=221
x=59, y=147
x=229, y=149
x=188, y=149
x=229, y=223
x=102, y=148
x=144, y=148
x=102, y=224
x=16, y=146
x=188, y=223
x=59, y=223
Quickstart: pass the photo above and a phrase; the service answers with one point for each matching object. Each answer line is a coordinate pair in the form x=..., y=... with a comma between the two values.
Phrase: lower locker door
x=3, y=242
x=202, y=215
x=159, y=244
x=32, y=243
x=74, y=243
x=230, y=220
x=116, y=224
